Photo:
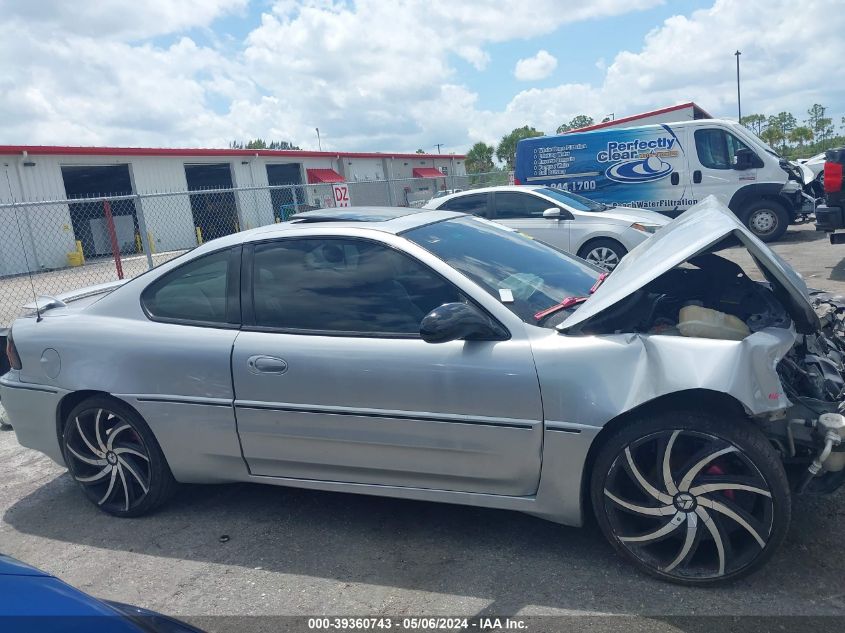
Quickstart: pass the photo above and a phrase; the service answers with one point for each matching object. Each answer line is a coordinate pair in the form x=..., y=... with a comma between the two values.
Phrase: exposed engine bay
x=707, y=281
x=712, y=297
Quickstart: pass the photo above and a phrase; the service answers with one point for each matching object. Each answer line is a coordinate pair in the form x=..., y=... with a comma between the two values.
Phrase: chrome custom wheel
x=112, y=455
x=693, y=505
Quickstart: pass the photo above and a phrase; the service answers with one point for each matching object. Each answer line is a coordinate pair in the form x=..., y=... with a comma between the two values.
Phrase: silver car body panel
x=504, y=424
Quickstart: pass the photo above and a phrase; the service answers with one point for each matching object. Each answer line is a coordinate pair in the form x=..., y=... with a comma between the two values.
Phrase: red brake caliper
x=714, y=469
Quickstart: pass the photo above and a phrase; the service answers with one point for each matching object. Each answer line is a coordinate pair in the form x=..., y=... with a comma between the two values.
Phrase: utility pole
x=738, y=101
x=319, y=145
x=438, y=146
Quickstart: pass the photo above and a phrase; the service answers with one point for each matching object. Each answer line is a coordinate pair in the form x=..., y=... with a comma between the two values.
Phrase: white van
x=669, y=167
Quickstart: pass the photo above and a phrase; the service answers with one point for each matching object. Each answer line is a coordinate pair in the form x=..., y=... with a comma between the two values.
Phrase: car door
x=715, y=174
x=524, y=211
x=332, y=381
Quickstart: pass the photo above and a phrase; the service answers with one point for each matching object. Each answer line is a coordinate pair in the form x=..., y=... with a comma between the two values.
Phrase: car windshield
x=525, y=275
x=573, y=200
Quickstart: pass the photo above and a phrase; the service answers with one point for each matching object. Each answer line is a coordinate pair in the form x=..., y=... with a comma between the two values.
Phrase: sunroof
x=376, y=214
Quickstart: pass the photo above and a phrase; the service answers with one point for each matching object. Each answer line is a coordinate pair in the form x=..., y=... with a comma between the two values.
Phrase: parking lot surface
x=262, y=550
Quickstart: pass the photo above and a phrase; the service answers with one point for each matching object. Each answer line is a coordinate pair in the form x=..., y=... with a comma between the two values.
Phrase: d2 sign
x=341, y=195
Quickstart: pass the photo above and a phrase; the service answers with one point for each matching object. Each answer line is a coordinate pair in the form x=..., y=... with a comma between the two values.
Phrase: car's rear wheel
x=114, y=457
x=691, y=497
x=604, y=253
x=767, y=219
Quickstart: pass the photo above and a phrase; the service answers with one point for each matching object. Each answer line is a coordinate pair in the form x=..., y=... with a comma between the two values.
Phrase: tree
x=772, y=135
x=778, y=127
x=260, y=143
x=801, y=134
x=420, y=151
x=754, y=122
x=582, y=120
x=506, y=151
x=479, y=158
x=821, y=125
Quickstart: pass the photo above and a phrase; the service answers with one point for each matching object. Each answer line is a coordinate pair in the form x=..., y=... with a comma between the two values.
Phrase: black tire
x=114, y=457
x=604, y=252
x=767, y=219
x=714, y=547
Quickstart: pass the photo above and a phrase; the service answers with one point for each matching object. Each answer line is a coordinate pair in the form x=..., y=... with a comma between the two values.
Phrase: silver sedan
x=439, y=356
x=597, y=232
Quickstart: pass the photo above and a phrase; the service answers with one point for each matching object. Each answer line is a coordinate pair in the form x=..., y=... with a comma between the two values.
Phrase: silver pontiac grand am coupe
x=438, y=356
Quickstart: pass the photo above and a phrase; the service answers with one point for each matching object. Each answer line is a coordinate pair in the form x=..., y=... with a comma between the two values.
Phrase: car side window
x=520, y=205
x=716, y=148
x=475, y=204
x=198, y=291
x=344, y=285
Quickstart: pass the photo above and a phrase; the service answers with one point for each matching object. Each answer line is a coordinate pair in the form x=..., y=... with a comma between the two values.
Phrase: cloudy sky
x=396, y=75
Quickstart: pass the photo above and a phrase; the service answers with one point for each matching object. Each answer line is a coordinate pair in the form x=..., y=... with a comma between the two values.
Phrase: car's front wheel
x=114, y=457
x=691, y=497
x=604, y=253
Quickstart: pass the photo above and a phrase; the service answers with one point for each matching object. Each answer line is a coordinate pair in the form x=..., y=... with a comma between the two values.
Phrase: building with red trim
x=265, y=185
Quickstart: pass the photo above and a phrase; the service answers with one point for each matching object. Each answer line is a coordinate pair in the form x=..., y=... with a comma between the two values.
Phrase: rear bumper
x=31, y=410
x=829, y=218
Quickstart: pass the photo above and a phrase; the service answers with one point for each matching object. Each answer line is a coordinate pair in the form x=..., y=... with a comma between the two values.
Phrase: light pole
x=319, y=145
x=738, y=101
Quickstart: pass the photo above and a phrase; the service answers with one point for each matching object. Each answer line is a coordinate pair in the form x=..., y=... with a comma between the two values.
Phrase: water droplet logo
x=639, y=170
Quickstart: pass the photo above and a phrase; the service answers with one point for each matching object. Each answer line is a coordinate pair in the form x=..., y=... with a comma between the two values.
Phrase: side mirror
x=455, y=321
x=744, y=159
x=553, y=212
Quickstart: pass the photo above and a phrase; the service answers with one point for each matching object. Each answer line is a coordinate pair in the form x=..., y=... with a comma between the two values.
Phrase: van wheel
x=114, y=457
x=767, y=219
x=691, y=497
x=603, y=252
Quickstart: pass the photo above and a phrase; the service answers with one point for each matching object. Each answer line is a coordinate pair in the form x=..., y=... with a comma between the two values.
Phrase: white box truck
x=669, y=167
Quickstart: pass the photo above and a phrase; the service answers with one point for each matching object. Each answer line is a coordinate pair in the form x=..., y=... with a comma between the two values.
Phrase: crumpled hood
x=706, y=227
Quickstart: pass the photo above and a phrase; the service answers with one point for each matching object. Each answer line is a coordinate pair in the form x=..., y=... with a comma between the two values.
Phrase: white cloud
x=377, y=75
x=540, y=66
x=109, y=19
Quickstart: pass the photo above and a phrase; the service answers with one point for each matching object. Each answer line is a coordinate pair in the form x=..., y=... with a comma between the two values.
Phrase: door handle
x=696, y=176
x=266, y=365
x=675, y=178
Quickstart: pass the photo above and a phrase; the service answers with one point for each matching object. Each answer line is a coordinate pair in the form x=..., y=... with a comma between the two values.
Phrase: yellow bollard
x=79, y=250
x=151, y=243
x=199, y=235
x=138, y=247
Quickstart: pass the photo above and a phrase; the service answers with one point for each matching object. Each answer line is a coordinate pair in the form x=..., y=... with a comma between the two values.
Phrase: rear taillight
x=832, y=177
x=12, y=353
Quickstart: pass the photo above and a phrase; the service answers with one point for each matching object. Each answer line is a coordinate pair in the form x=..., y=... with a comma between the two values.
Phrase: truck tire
x=766, y=218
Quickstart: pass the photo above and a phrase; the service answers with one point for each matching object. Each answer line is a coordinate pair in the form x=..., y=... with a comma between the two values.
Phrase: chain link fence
x=52, y=247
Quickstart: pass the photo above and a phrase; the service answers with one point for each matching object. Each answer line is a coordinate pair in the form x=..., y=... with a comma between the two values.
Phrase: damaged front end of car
x=692, y=319
x=813, y=427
